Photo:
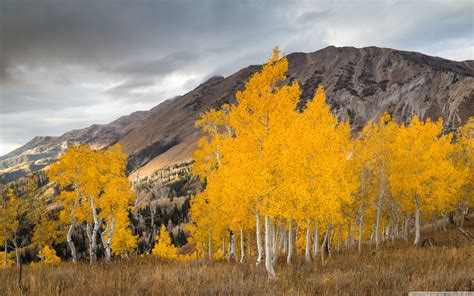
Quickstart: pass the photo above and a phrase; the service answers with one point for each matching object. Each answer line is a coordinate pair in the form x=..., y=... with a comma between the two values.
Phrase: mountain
x=361, y=84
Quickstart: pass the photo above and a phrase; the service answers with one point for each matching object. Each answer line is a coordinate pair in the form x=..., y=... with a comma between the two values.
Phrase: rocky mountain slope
x=361, y=84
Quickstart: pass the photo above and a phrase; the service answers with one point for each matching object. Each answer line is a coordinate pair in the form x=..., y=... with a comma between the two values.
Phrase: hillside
x=361, y=84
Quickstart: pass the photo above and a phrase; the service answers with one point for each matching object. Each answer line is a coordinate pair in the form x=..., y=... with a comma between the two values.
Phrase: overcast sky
x=66, y=64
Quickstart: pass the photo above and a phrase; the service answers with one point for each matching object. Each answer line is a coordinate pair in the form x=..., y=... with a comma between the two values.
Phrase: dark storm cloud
x=69, y=63
x=158, y=67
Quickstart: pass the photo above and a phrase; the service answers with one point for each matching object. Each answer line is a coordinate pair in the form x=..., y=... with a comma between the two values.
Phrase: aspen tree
x=420, y=167
x=164, y=249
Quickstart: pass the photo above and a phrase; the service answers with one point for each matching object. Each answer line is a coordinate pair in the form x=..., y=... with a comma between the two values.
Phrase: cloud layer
x=67, y=64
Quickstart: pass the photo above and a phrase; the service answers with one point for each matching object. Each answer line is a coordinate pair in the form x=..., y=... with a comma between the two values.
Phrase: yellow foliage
x=50, y=256
x=10, y=261
x=164, y=249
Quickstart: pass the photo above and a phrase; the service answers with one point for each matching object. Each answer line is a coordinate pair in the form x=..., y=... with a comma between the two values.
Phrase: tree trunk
x=209, y=250
x=406, y=227
x=397, y=224
x=72, y=224
x=316, y=241
x=242, y=248
x=17, y=254
x=464, y=216
x=379, y=211
x=372, y=234
x=290, y=242
x=153, y=226
x=361, y=231
x=285, y=238
x=417, y=222
x=282, y=238
x=390, y=224
x=308, y=244
x=451, y=218
x=259, y=239
x=232, y=255
x=95, y=229
x=339, y=240
x=108, y=244
x=202, y=250
x=249, y=245
x=329, y=240
x=41, y=252
x=224, y=253
x=5, y=255
x=445, y=216
x=274, y=240
x=268, y=251
x=348, y=242
x=324, y=245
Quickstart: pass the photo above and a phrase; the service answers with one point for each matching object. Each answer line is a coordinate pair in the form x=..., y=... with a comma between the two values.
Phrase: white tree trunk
x=249, y=245
x=339, y=240
x=242, y=246
x=282, y=237
x=397, y=224
x=308, y=244
x=285, y=237
x=353, y=229
x=224, y=253
x=72, y=224
x=348, y=242
x=259, y=239
x=316, y=241
x=41, y=252
x=5, y=255
x=290, y=242
x=274, y=240
x=361, y=231
x=108, y=244
x=406, y=227
x=324, y=245
x=232, y=255
x=390, y=224
x=202, y=250
x=93, y=245
x=379, y=210
x=329, y=240
x=377, y=223
x=209, y=250
x=268, y=251
x=372, y=234
x=445, y=217
x=417, y=222
x=17, y=255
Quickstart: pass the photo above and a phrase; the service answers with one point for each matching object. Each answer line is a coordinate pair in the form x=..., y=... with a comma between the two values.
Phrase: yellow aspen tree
x=420, y=165
x=77, y=177
x=13, y=210
x=49, y=256
x=164, y=249
x=8, y=221
x=114, y=202
x=380, y=136
x=463, y=158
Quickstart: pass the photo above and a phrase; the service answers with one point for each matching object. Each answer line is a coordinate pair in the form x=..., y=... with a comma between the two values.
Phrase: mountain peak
x=361, y=84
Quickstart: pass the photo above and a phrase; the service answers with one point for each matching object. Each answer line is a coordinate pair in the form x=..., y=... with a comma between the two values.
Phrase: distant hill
x=361, y=84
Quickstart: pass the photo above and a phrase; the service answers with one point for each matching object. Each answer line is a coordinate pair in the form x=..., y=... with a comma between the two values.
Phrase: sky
x=66, y=64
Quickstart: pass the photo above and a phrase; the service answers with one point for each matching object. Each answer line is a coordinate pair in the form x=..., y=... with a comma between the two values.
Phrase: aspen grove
x=279, y=177
x=290, y=178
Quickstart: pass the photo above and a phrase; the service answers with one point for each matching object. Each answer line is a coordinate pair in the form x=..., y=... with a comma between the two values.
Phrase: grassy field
x=394, y=270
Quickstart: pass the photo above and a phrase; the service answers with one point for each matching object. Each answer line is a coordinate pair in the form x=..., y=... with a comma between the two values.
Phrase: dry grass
x=395, y=270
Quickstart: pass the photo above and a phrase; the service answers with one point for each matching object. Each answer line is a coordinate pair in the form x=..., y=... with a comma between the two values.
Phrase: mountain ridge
x=361, y=84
